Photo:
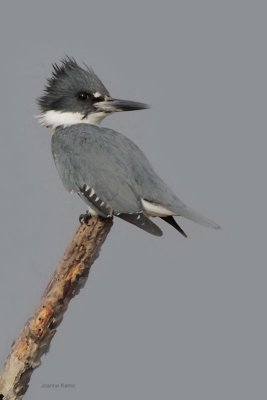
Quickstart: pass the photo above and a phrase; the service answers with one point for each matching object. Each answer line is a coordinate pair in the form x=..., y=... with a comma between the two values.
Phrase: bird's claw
x=85, y=218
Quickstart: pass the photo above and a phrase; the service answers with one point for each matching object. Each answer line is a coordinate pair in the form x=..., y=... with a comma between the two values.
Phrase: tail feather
x=142, y=222
x=170, y=220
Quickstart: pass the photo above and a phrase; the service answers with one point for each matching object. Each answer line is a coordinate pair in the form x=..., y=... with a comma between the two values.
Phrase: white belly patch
x=155, y=210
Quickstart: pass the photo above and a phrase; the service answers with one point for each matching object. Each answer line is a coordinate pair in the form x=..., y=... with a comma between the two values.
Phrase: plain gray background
x=165, y=318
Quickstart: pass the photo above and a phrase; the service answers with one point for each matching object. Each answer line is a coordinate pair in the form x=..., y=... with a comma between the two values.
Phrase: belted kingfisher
x=106, y=169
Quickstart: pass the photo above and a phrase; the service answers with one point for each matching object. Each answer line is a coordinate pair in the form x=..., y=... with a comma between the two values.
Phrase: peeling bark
x=35, y=338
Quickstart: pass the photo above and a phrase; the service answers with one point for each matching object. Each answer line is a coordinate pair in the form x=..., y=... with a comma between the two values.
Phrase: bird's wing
x=99, y=159
x=93, y=166
x=159, y=200
x=88, y=166
x=156, y=197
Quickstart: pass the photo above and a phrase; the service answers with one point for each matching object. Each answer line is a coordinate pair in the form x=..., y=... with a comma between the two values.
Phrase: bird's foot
x=85, y=218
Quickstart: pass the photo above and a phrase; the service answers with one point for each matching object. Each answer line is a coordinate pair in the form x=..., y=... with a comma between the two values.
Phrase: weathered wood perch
x=69, y=277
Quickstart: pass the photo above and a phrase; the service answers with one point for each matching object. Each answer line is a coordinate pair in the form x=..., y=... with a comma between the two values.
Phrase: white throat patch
x=52, y=119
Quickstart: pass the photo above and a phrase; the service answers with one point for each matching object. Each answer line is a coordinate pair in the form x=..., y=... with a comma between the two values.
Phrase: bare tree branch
x=69, y=277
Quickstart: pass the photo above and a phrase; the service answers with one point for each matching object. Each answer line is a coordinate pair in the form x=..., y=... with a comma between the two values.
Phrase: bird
x=107, y=170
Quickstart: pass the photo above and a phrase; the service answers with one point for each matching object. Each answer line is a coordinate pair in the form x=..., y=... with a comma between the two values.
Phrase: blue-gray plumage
x=106, y=169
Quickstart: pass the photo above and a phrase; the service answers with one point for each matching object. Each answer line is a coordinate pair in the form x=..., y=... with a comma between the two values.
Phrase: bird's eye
x=83, y=96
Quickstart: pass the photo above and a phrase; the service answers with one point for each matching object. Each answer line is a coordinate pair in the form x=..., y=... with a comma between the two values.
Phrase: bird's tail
x=170, y=220
x=140, y=220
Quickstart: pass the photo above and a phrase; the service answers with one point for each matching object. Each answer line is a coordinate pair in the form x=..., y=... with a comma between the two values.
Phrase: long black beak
x=114, y=105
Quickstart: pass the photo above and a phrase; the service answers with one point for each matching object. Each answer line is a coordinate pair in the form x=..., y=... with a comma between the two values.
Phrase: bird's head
x=76, y=95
